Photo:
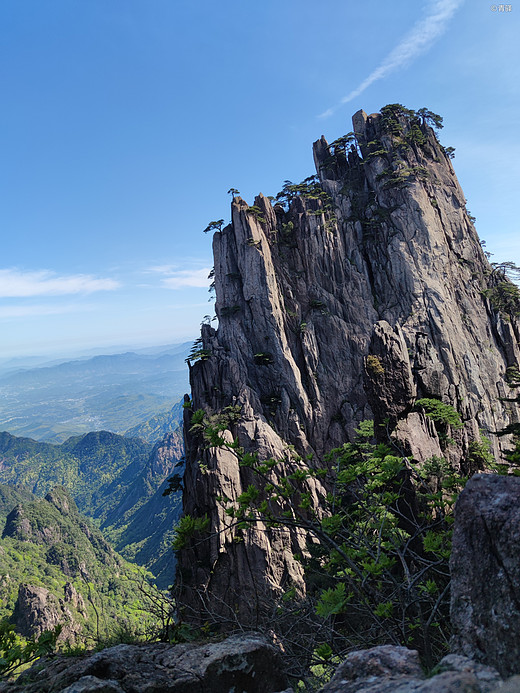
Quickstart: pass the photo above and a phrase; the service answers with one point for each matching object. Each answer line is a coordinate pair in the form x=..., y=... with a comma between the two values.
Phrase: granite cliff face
x=367, y=292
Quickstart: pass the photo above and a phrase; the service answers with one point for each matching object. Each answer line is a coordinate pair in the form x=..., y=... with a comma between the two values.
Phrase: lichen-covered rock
x=487, y=677
x=384, y=664
x=391, y=669
x=389, y=267
x=485, y=568
x=389, y=381
x=91, y=684
x=512, y=685
x=243, y=663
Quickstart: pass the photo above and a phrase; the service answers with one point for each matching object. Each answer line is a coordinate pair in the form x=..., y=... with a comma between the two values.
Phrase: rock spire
x=361, y=292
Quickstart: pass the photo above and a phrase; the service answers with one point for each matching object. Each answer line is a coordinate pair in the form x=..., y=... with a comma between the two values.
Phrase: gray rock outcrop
x=485, y=568
x=390, y=669
x=367, y=293
x=38, y=610
x=243, y=663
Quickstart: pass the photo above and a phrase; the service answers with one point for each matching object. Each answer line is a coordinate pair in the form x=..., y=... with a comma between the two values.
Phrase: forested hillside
x=116, y=481
x=56, y=567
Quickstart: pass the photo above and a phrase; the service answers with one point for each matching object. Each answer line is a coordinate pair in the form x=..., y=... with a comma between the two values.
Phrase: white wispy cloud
x=162, y=269
x=16, y=283
x=183, y=278
x=176, y=278
x=417, y=41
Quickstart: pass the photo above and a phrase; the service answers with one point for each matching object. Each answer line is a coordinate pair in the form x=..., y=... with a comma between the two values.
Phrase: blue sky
x=124, y=123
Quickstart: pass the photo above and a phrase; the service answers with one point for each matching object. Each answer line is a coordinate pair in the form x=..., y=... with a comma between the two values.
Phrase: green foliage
x=401, y=175
x=505, y=270
x=257, y=212
x=188, y=528
x=374, y=365
x=378, y=550
x=333, y=600
x=505, y=298
x=450, y=152
x=512, y=376
x=479, y=455
x=263, y=358
x=271, y=401
x=96, y=468
x=439, y=412
x=343, y=144
x=198, y=352
x=430, y=118
x=16, y=651
x=394, y=114
x=310, y=189
x=47, y=543
x=214, y=226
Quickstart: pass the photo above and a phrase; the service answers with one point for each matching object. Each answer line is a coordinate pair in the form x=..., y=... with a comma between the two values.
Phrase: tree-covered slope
x=142, y=526
x=96, y=468
x=116, y=481
x=56, y=568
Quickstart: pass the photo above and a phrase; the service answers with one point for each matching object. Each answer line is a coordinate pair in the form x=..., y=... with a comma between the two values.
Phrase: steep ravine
x=393, y=270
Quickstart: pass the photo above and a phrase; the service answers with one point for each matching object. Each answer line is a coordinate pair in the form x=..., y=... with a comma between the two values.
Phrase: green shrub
x=378, y=550
x=439, y=412
x=374, y=365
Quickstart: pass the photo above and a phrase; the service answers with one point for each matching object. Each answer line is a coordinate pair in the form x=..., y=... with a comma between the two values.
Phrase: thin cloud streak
x=19, y=284
x=418, y=40
x=188, y=278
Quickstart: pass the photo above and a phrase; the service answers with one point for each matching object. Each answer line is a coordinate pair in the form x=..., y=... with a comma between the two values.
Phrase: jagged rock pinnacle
x=363, y=295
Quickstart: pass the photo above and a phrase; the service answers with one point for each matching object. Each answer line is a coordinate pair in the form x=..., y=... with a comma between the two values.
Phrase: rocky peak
x=363, y=290
x=61, y=499
x=38, y=610
x=166, y=455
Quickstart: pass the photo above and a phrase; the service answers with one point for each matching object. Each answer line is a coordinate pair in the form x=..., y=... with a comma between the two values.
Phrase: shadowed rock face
x=38, y=610
x=485, y=567
x=327, y=320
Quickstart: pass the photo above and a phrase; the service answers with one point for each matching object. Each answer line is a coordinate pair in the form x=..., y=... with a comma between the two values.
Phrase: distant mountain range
x=77, y=499
x=115, y=392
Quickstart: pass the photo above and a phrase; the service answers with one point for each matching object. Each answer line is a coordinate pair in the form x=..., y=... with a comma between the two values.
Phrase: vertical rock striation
x=348, y=303
x=485, y=594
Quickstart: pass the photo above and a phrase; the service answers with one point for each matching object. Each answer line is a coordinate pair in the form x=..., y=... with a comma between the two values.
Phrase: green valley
x=115, y=481
x=56, y=568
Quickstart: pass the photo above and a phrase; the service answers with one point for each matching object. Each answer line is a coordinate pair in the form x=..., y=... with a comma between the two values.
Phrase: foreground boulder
x=241, y=663
x=485, y=568
x=391, y=669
